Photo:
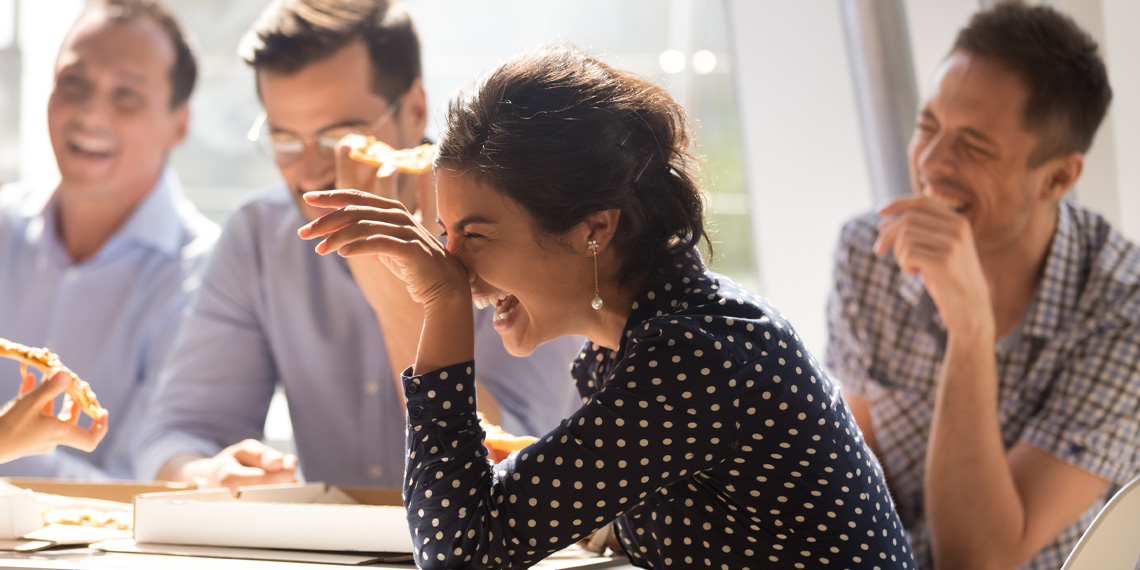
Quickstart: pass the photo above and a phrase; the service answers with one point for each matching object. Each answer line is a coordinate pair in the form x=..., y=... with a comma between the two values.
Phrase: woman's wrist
x=448, y=334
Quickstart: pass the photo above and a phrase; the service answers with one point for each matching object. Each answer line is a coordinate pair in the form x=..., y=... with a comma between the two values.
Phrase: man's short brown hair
x=292, y=34
x=1064, y=74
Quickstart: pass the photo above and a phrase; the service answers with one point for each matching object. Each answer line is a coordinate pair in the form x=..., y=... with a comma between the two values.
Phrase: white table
x=87, y=559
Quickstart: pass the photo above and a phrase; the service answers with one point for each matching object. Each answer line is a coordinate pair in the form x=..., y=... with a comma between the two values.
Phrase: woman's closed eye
x=443, y=236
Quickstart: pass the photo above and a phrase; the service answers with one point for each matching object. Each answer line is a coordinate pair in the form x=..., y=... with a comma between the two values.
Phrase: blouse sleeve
x=664, y=414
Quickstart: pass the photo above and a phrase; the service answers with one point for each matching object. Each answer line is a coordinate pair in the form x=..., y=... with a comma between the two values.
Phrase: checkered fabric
x=1069, y=371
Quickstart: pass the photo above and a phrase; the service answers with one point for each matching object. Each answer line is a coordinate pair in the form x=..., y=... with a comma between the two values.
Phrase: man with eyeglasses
x=99, y=263
x=332, y=332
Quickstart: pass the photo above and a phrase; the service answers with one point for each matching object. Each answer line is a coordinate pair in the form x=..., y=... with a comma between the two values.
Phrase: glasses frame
x=254, y=136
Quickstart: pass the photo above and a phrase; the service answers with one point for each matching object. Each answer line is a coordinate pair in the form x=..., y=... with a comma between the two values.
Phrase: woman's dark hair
x=291, y=34
x=564, y=136
x=184, y=72
x=1064, y=75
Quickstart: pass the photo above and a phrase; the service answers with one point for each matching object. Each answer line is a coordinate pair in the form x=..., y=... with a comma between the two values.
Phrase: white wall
x=1122, y=47
x=802, y=149
x=933, y=26
x=42, y=27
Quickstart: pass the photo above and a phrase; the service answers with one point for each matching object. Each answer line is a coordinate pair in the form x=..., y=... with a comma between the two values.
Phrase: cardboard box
x=117, y=491
x=25, y=506
x=19, y=512
x=301, y=516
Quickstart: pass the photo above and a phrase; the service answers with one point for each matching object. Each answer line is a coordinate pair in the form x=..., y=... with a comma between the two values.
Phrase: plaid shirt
x=1069, y=372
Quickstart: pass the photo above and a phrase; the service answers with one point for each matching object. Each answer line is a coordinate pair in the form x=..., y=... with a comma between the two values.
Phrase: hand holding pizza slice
x=28, y=425
x=48, y=363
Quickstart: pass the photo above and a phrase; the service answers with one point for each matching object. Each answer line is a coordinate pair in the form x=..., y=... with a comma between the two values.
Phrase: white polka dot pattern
x=711, y=439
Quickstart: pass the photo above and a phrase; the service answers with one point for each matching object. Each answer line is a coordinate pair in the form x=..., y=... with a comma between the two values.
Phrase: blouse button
x=413, y=388
x=417, y=412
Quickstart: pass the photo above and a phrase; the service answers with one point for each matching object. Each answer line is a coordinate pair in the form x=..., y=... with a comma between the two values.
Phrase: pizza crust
x=366, y=149
x=48, y=363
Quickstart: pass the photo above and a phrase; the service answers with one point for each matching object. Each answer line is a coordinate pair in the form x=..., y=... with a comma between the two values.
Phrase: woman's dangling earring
x=596, y=303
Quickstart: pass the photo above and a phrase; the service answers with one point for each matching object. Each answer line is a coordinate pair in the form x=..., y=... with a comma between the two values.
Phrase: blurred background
x=802, y=109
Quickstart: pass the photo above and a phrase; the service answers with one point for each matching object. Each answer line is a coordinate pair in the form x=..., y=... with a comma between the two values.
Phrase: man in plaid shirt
x=986, y=331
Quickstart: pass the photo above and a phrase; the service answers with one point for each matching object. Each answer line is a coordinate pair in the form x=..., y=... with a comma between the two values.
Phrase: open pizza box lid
x=300, y=516
x=19, y=512
x=300, y=522
x=24, y=501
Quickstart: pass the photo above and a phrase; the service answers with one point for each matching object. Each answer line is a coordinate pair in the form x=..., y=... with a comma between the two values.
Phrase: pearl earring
x=596, y=303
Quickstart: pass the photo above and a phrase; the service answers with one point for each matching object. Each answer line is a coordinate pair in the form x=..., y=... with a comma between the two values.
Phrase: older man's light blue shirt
x=271, y=312
x=111, y=318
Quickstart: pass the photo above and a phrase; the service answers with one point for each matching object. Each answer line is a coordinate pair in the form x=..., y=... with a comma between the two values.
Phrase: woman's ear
x=598, y=227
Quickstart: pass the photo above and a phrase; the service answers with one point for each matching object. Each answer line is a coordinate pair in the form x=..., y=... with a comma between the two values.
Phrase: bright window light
x=672, y=61
x=704, y=62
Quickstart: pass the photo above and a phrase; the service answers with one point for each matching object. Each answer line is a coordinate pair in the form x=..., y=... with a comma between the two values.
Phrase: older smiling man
x=99, y=267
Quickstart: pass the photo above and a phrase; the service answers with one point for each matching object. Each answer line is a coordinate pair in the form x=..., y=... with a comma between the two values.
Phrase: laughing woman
x=708, y=435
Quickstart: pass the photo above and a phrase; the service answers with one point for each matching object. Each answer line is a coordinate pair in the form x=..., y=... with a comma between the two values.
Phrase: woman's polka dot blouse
x=711, y=439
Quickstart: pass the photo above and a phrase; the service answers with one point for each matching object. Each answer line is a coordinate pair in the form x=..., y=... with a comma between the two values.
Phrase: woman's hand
x=376, y=225
x=27, y=426
x=368, y=225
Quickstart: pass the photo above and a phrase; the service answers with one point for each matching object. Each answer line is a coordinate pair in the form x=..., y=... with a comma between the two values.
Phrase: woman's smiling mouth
x=504, y=304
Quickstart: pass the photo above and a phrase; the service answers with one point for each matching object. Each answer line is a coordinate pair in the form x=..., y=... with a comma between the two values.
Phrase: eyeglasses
x=286, y=148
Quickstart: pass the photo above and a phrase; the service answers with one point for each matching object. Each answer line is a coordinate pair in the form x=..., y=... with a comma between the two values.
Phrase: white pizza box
x=19, y=512
x=58, y=493
x=298, y=516
x=117, y=491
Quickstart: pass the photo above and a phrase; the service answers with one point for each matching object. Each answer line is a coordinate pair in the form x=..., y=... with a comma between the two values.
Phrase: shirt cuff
x=155, y=455
x=449, y=391
x=1094, y=452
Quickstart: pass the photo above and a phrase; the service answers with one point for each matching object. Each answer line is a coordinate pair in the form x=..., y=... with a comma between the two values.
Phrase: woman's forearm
x=448, y=335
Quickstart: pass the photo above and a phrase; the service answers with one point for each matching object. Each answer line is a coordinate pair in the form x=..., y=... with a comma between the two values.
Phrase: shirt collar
x=1057, y=293
x=666, y=296
x=35, y=202
x=661, y=297
x=155, y=222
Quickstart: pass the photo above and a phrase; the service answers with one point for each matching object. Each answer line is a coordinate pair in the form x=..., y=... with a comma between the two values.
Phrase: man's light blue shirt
x=111, y=318
x=271, y=312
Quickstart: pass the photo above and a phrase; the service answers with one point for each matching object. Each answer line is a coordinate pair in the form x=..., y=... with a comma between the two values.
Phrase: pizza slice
x=366, y=149
x=500, y=443
x=48, y=363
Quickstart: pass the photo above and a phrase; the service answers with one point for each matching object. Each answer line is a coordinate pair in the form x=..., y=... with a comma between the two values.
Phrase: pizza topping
x=90, y=517
x=366, y=149
x=48, y=363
